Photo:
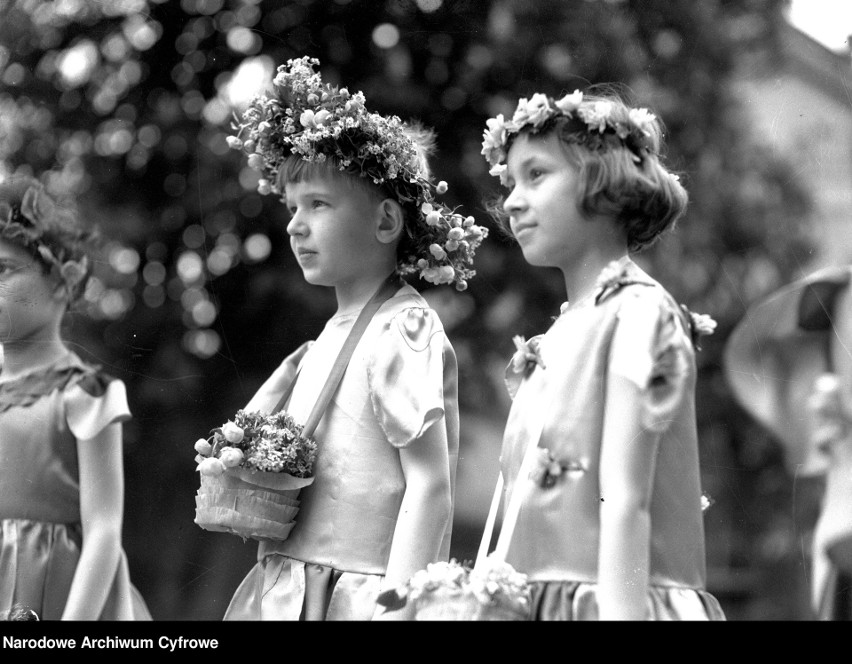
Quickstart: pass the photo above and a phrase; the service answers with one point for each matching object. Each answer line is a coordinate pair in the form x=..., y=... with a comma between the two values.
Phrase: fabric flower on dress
x=527, y=355
x=548, y=469
x=612, y=278
x=700, y=325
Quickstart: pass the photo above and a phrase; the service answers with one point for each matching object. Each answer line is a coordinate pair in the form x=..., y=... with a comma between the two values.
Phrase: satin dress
x=401, y=380
x=42, y=415
x=633, y=328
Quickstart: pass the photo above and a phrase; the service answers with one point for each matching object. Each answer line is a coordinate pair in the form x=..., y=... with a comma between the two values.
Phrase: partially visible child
x=610, y=522
x=789, y=366
x=61, y=476
x=362, y=212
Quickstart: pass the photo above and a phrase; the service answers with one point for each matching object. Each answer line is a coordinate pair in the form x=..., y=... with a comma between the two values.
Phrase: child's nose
x=295, y=225
x=514, y=201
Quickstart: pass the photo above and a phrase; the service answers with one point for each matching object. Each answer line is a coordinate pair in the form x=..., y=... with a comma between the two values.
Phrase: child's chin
x=314, y=278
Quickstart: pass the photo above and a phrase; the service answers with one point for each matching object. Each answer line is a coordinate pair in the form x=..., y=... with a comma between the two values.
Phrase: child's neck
x=581, y=276
x=23, y=357
x=353, y=296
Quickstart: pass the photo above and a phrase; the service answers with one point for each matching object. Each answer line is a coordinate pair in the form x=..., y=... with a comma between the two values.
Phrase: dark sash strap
x=384, y=292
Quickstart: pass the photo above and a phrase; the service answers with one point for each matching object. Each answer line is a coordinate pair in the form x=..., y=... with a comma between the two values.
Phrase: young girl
x=601, y=436
x=61, y=477
x=362, y=212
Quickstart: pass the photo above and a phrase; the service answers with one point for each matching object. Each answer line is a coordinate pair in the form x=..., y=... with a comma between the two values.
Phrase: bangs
x=295, y=169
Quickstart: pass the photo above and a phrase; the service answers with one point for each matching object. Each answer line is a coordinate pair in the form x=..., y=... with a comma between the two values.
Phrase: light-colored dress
x=42, y=415
x=633, y=328
x=402, y=379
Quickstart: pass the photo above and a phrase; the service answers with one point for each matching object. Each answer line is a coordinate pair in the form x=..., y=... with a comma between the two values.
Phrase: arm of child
x=101, y=511
x=423, y=515
x=645, y=383
x=627, y=464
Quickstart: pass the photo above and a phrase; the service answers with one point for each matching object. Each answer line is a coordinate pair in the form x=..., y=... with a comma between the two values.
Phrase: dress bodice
x=639, y=332
x=400, y=381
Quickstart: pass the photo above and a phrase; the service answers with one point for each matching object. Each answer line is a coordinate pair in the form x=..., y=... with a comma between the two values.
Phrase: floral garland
x=595, y=124
x=316, y=121
x=30, y=224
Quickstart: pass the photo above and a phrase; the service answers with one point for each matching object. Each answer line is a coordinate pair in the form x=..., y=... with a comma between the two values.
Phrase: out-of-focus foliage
x=127, y=104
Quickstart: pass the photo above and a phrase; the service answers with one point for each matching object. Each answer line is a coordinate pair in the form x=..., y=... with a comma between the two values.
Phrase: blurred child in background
x=61, y=468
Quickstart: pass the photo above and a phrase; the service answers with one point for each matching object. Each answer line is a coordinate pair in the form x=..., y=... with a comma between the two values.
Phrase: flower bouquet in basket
x=451, y=590
x=252, y=469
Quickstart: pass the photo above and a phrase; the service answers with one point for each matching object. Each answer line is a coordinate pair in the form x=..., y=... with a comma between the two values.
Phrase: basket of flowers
x=252, y=469
x=451, y=590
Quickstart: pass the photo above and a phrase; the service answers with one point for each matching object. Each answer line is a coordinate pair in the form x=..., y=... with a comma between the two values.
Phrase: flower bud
x=255, y=161
x=211, y=466
x=442, y=187
x=437, y=251
x=231, y=456
x=232, y=433
x=203, y=447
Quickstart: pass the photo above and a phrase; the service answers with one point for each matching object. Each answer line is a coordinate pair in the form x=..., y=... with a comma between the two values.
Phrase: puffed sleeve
x=652, y=349
x=406, y=375
x=93, y=403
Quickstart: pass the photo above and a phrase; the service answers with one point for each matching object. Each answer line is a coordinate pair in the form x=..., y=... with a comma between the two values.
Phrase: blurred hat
x=777, y=351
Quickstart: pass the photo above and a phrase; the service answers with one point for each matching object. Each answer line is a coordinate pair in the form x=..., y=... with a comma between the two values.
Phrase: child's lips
x=518, y=229
x=303, y=253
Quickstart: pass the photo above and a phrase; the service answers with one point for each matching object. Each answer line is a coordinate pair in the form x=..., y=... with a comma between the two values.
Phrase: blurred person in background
x=789, y=363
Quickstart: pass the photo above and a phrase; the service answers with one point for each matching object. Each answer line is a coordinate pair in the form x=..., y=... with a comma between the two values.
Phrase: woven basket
x=443, y=604
x=254, y=505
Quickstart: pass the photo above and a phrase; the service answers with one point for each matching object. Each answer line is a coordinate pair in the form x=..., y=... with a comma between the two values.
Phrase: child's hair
x=329, y=128
x=50, y=230
x=294, y=168
x=617, y=150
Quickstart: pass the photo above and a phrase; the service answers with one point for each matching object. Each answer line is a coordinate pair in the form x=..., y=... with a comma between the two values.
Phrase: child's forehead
x=316, y=179
x=328, y=183
x=531, y=147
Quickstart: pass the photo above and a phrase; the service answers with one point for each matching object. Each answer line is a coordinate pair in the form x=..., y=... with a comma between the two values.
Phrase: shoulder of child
x=93, y=401
x=406, y=374
x=656, y=302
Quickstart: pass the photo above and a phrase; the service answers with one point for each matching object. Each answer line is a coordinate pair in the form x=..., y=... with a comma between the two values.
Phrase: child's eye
x=318, y=203
x=535, y=173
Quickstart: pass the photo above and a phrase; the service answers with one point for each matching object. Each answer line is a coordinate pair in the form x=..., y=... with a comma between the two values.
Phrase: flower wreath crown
x=596, y=124
x=30, y=224
x=316, y=121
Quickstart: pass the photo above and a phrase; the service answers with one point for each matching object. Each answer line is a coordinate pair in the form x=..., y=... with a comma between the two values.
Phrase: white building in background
x=801, y=106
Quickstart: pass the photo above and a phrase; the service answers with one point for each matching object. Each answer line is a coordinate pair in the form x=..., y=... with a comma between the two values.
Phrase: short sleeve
x=651, y=348
x=93, y=403
x=406, y=375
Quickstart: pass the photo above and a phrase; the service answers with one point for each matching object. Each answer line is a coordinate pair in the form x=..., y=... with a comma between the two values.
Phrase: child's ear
x=391, y=221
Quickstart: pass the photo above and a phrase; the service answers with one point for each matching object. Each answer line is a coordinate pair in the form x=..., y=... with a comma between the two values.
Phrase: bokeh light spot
x=257, y=247
x=385, y=35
